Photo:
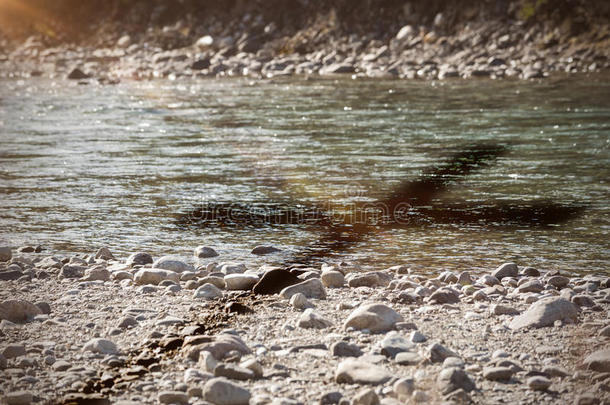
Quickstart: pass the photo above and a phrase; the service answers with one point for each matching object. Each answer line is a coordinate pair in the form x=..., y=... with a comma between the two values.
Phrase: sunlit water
x=84, y=166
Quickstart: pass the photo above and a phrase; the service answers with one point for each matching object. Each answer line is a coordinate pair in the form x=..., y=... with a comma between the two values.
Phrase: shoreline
x=146, y=331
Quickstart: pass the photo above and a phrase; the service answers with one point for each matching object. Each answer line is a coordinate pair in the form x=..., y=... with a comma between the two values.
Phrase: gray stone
x=498, y=373
x=13, y=350
x=127, y=321
x=404, y=388
x=104, y=253
x=538, y=383
x=173, y=397
x=239, y=281
x=583, y=300
x=233, y=372
x=102, y=346
x=17, y=311
x=366, y=396
x=545, y=312
x=375, y=317
x=18, y=398
x=232, y=268
x=221, y=391
x=299, y=301
x=3, y=362
x=417, y=337
x=558, y=281
x=99, y=273
x=532, y=286
x=202, y=252
x=264, y=250
x=453, y=362
x=370, y=279
x=393, y=344
x=330, y=398
x=172, y=263
x=499, y=309
x=598, y=361
x=312, y=320
x=207, y=291
x=155, y=276
x=451, y=379
x=408, y=358
x=220, y=346
x=5, y=254
x=253, y=365
x=345, y=349
x=312, y=288
x=506, y=270
x=332, y=279
x=71, y=271
x=444, y=296
x=437, y=353
x=352, y=371
x=61, y=365
x=139, y=259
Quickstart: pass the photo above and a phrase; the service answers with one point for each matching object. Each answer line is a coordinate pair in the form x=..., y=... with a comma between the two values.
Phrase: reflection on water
x=85, y=166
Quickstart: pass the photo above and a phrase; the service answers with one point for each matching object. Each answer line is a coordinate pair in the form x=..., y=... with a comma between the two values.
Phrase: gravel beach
x=93, y=329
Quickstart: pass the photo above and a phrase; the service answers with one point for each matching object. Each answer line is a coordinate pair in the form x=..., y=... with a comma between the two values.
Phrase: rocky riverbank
x=409, y=41
x=94, y=329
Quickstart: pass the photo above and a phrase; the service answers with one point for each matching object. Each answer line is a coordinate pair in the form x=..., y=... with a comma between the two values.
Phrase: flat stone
x=172, y=263
x=173, y=397
x=219, y=346
x=18, y=311
x=233, y=372
x=139, y=259
x=498, y=373
x=18, y=398
x=345, y=349
x=71, y=271
x=274, y=281
x=370, y=279
x=506, y=270
x=499, y=309
x=202, y=252
x=375, y=317
x=207, y=291
x=408, y=358
x=352, y=371
x=264, y=250
x=312, y=320
x=583, y=300
x=393, y=344
x=61, y=365
x=558, y=281
x=366, y=396
x=454, y=378
x=598, y=361
x=312, y=288
x=532, y=286
x=154, y=276
x=221, y=391
x=538, y=383
x=241, y=281
x=102, y=346
x=13, y=350
x=545, y=312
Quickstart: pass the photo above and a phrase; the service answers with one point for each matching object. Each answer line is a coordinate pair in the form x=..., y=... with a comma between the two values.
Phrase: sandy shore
x=94, y=329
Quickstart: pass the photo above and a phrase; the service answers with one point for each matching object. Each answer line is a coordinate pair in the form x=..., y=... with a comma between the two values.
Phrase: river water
x=84, y=166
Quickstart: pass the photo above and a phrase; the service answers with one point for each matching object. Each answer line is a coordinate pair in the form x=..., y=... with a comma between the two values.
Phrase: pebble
x=352, y=371
x=583, y=300
x=366, y=396
x=207, y=291
x=172, y=263
x=506, y=270
x=598, y=361
x=240, y=281
x=545, y=312
x=312, y=288
x=299, y=301
x=375, y=317
x=154, y=276
x=330, y=398
x=408, y=358
x=417, y=337
x=538, y=383
x=532, y=286
x=332, y=279
x=393, y=344
x=172, y=397
x=103, y=346
x=139, y=259
x=345, y=349
x=558, y=281
x=370, y=279
x=254, y=365
x=233, y=372
x=437, y=353
x=264, y=250
x=5, y=253
x=444, y=295
x=403, y=388
x=202, y=252
x=498, y=373
x=312, y=320
x=221, y=391
x=454, y=378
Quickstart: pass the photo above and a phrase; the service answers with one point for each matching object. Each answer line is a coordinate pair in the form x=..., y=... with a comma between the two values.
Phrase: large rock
x=155, y=276
x=207, y=291
x=18, y=310
x=71, y=271
x=312, y=320
x=454, y=378
x=332, y=279
x=545, y=312
x=99, y=273
x=393, y=344
x=506, y=270
x=202, y=252
x=312, y=288
x=352, y=371
x=5, y=254
x=104, y=253
x=274, y=281
x=264, y=250
x=598, y=361
x=240, y=281
x=139, y=259
x=374, y=317
x=172, y=263
x=221, y=391
x=102, y=346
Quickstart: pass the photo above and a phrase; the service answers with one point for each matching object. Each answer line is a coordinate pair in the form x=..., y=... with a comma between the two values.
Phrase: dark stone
x=331, y=398
x=171, y=343
x=201, y=64
x=26, y=249
x=84, y=399
x=77, y=74
x=10, y=275
x=275, y=281
x=237, y=308
x=44, y=307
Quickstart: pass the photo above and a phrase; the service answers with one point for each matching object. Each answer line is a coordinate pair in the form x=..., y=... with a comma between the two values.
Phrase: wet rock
x=139, y=259
x=154, y=276
x=531, y=272
x=538, y=383
x=201, y=64
x=233, y=372
x=18, y=398
x=202, y=252
x=102, y=346
x=451, y=379
x=437, y=353
x=598, y=361
x=13, y=350
x=311, y=288
x=393, y=344
x=240, y=281
x=545, y=312
x=274, y=281
x=104, y=253
x=313, y=320
x=5, y=254
x=172, y=263
x=264, y=250
x=498, y=373
x=337, y=68
x=345, y=349
x=352, y=371
x=173, y=397
x=18, y=311
x=375, y=317
x=221, y=391
x=506, y=270
x=332, y=279
x=77, y=74
x=365, y=397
